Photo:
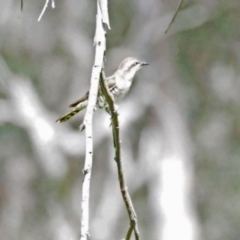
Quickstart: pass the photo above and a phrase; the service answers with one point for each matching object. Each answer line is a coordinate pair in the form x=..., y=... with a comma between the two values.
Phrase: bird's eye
x=136, y=63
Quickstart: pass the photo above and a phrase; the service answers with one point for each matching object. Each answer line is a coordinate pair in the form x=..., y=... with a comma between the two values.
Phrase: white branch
x=44, y=9
x=104, y=9
x=100, y=45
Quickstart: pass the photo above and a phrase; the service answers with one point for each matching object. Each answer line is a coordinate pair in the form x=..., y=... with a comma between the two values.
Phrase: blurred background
x=180, y=123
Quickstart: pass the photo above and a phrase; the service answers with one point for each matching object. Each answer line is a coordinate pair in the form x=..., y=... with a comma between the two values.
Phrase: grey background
x=179, y=124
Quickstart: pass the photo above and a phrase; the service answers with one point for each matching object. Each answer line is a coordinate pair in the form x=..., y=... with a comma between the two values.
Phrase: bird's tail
x=72, y=113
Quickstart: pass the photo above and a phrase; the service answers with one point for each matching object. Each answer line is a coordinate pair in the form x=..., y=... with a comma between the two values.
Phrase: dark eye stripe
x=132, y=65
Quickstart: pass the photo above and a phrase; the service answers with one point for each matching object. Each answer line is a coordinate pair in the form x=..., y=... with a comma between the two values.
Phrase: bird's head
x=129, y=66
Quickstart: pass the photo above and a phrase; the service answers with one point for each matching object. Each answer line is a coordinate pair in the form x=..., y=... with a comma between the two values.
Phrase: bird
x=118, y=84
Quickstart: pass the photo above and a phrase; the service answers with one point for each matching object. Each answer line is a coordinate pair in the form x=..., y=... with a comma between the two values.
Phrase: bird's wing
x=82, y=99
x=110, y=83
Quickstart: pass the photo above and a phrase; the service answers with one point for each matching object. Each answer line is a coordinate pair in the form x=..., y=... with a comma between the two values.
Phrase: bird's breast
x=121, y=88
x=123, y=84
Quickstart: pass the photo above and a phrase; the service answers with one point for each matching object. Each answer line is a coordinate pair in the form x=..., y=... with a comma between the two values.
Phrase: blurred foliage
x=183, y=108
x=217, y=165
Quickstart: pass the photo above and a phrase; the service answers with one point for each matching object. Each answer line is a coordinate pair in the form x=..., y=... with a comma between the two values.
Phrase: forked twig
x=44, y=8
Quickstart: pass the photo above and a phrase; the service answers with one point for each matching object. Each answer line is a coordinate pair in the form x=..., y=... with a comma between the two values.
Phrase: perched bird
x=119, y=84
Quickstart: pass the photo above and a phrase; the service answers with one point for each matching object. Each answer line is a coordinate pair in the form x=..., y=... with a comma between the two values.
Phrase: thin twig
x=100, y=45
x=53, y=4
x=44, y=8
x=21, y=5
x=174, y=16
x=116, y=139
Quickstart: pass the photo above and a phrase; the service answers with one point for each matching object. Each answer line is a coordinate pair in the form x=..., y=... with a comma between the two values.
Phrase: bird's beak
x=144, y=64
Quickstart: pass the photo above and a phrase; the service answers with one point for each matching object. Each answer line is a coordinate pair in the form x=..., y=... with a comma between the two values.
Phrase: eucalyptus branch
x=103, y=4
x=100, y=47
x=175, y=15
x=117, y=145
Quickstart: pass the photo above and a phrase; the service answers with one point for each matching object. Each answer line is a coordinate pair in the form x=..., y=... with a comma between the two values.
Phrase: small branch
x=21, y=5
x=44, y=8
x=117, y=145
x=104, y=9
x=100, y=45
x=174, y=16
